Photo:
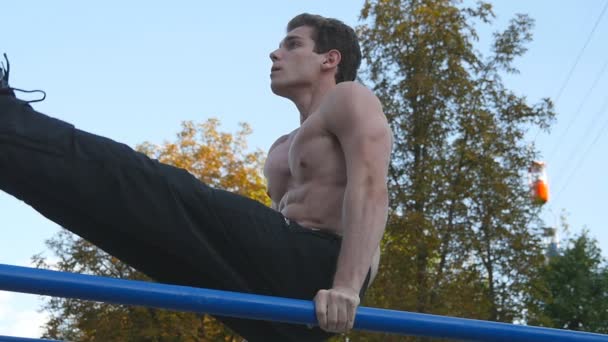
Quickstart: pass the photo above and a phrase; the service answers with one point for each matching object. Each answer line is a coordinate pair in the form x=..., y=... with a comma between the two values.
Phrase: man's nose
x=273, y=56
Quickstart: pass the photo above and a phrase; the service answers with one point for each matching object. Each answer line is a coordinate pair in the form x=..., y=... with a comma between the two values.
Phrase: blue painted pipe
x=23, y=339
x=250, y=306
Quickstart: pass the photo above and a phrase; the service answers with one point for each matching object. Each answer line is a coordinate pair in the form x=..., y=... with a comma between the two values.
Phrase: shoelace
x=4, y=74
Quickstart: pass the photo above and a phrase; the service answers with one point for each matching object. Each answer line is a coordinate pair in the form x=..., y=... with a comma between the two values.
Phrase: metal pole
x=250, y=306
x=23, y=339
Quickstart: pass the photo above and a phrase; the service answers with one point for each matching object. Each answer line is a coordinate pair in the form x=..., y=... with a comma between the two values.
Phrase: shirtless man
x=326, y=179
x=330, y=173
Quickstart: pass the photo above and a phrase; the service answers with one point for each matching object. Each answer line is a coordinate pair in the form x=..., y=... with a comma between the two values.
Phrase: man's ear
x=332, y=59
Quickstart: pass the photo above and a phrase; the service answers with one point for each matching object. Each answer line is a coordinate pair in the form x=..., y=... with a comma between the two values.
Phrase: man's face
x=294, y=63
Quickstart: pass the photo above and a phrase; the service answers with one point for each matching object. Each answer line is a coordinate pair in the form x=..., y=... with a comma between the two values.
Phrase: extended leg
x=160, y=219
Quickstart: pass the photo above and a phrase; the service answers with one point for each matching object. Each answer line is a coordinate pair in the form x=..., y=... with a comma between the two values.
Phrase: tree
x=216, y=158
x=571, y=291
x=459, y=239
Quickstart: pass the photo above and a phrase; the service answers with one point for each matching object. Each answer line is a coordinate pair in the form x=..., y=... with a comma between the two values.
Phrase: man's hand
x=336, y=309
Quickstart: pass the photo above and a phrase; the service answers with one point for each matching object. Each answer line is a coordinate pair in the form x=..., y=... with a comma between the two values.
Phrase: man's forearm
x=364, y=217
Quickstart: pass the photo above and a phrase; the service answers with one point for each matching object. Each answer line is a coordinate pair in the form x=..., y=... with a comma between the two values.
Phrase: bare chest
x=313, y=152
x=307, y=154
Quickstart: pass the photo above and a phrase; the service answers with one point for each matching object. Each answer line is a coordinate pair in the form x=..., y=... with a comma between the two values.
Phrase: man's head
x=315, y=47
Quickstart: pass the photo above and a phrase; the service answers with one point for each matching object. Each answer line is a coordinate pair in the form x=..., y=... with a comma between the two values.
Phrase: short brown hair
x=329, y=33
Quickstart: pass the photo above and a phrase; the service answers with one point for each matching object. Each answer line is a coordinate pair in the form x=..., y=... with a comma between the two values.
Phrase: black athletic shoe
x=6, y=89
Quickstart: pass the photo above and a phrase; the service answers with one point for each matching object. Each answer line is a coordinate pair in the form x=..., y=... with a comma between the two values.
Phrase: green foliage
x=571, y=291
x=216, y=158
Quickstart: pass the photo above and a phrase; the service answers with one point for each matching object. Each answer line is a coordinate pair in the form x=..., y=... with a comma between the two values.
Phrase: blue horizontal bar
x=23, y=339
x=251, y=306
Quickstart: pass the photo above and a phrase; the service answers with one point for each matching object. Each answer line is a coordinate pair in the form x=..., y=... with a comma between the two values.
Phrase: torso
x=306, y=174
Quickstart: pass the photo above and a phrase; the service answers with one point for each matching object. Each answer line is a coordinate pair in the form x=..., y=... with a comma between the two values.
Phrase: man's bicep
x=367, y=152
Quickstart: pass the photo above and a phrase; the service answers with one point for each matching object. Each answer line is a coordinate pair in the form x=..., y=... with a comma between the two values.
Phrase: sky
x=133, y=71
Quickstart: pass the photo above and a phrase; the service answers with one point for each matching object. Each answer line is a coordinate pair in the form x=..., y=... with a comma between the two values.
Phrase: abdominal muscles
x=314, y=205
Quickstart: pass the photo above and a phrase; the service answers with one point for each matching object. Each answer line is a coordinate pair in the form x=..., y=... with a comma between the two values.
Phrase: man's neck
x=308, y=100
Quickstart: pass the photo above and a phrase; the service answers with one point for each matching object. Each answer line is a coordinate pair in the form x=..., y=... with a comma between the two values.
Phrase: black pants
x=160, y=219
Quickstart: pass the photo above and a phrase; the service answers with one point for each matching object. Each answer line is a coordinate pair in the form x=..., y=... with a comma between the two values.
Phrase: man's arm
x=355, y=117
x=365, y=137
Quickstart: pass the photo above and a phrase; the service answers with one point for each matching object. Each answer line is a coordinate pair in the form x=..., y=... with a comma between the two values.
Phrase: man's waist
x=327, y=231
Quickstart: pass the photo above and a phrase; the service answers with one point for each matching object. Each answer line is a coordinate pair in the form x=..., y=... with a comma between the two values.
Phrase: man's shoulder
x=280, y=140
x=353, y=90
x=355, y=108
x=351, y=99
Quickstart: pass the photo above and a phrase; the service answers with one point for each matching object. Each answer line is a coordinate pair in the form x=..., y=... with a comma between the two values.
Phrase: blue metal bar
x=23, y=339
x=250, y=306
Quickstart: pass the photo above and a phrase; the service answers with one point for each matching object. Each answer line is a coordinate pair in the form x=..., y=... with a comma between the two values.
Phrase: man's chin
x=277, y=89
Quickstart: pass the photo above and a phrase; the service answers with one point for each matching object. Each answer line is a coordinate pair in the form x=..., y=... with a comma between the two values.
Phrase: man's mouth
x=275, y=69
